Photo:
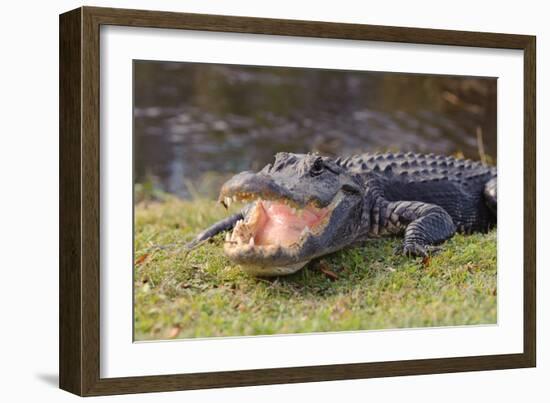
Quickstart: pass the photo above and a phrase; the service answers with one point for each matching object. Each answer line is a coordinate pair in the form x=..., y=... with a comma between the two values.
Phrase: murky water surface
x=197, y=124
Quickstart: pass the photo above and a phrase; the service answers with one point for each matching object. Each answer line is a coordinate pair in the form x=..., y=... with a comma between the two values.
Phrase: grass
x=203, y=294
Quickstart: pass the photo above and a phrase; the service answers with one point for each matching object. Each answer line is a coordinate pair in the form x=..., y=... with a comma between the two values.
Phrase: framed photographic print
x=251, y=201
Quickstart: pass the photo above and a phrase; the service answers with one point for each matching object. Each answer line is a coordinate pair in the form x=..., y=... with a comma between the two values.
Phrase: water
x=195, y=125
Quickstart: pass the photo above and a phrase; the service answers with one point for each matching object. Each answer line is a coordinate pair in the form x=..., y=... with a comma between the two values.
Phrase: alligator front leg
x=425, y=225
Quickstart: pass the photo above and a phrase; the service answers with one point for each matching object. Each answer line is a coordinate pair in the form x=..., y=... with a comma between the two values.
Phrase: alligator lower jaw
x=275, y=231
x=269, y=271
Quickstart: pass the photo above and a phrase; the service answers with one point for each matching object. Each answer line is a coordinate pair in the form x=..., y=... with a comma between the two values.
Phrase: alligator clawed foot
x=416, y=250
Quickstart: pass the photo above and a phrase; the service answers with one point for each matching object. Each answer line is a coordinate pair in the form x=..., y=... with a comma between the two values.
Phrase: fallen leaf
x=470, y=267
x=325, y=269
x=141, y=259
x=329, y=273
x=174, y=332
x=426, y=260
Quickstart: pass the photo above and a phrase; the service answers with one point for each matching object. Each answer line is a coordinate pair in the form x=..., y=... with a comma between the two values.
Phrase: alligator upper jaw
x=249, y=186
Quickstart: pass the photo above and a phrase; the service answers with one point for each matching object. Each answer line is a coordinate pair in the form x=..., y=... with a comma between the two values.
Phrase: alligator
x=303, y=206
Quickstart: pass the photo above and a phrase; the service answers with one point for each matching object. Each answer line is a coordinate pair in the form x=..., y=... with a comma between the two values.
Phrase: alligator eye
x=317, y=167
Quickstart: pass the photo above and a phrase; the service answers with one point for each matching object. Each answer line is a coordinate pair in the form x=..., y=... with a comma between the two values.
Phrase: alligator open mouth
x=271, y=224
x=273, y=229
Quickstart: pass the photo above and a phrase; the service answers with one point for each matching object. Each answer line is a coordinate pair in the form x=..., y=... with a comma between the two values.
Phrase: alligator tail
x=220, y=226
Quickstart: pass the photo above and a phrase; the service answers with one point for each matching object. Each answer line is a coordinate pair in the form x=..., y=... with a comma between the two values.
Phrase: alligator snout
x=249, y=186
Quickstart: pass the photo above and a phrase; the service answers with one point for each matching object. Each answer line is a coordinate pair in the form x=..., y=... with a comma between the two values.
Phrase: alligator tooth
x=234, y=198
x=251, y=241
x=227, y=237
x=293, y=209
x=227, y=201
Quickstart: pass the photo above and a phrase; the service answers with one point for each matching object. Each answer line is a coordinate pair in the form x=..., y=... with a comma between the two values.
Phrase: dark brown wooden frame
x=79, y=201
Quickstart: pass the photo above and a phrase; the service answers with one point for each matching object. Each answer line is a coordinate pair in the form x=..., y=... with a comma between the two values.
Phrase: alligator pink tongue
x=282, y=226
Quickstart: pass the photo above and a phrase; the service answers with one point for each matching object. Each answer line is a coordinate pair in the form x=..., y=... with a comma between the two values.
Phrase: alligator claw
x=416, y=250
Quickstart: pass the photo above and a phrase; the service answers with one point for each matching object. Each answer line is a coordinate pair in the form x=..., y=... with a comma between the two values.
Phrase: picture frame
x=80, y=200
